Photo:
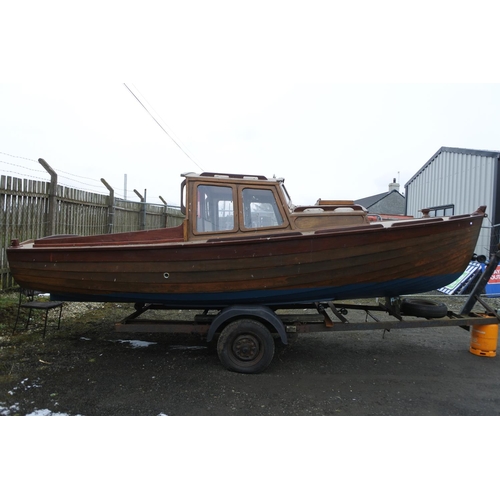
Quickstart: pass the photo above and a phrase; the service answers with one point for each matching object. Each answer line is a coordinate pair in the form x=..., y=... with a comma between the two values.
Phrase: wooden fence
x=34, y=209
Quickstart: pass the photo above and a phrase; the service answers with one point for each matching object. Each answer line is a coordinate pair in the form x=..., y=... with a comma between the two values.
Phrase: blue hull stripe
x=273, y=297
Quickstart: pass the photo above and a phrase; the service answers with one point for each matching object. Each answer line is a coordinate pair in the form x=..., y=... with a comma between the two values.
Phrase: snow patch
x=6, y=411
x=46, y=413
x=187, y=347
x=137, y=344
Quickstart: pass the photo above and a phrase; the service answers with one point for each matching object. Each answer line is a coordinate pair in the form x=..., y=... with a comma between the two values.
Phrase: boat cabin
x=238, y=205
x=226, y=206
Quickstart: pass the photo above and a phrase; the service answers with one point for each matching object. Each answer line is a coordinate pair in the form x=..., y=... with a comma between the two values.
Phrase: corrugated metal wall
x=454, y=177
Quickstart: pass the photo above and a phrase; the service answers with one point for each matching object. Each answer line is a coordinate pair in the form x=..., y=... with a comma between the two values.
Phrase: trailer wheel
x=245, y=346
x=422, y=308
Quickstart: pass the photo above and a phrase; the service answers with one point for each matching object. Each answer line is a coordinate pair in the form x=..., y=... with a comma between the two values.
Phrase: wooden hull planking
x=357, y=262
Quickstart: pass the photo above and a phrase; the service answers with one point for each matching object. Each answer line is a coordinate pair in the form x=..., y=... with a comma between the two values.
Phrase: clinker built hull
x=389, y=259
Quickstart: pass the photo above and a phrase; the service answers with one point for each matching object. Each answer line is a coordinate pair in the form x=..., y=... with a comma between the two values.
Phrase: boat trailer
x=245, y=333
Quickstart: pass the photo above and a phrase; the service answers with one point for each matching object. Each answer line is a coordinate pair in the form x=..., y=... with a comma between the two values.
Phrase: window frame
x=278, y=205
x=195, y=229
x=433, y=210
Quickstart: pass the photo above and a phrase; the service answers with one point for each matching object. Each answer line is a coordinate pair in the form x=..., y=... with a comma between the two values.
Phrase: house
x=391, y=202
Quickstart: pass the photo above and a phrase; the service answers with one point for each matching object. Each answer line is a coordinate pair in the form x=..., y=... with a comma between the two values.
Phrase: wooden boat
x=243, y=242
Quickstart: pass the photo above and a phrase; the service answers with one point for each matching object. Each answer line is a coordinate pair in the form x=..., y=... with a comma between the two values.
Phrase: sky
x=337, y=99
x=329, y=141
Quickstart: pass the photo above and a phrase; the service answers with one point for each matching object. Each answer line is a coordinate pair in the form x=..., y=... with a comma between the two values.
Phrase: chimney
x=394, y=185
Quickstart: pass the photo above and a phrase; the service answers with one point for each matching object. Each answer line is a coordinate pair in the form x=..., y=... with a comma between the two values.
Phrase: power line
x=160, y=125
x=151, y=107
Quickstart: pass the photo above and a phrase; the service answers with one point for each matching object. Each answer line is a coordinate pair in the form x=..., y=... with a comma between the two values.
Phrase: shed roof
x=444, y=149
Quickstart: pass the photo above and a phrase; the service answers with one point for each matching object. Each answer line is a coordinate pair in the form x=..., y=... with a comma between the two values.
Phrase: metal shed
x=456, y=181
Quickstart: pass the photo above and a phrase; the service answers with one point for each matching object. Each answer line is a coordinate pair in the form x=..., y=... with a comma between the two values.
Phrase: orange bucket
x=483, y=340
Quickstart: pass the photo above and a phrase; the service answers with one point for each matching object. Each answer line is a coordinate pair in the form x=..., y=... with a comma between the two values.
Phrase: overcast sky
x=258, y=88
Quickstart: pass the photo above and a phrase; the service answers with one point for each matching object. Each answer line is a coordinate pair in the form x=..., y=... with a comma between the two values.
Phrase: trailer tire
x=422, y=308
x=245, y=346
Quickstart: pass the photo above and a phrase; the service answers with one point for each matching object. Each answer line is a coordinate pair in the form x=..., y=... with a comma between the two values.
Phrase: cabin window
x=215, y=209
x=260, y=209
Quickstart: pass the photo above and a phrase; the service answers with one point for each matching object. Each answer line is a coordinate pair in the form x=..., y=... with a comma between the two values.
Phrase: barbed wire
x=29, y=176
x=21, y=157
x=43, y=170
x=75, y=175
x=21, y=166
x=48, y=180
x=45, y=179
x=97, y=188
x=131, y=195
x=83, y=183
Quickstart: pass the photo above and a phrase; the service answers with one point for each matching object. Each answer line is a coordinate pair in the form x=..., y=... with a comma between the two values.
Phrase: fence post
x=52, y=214
x=166, y=210
x=111, y=206
x=142, y=214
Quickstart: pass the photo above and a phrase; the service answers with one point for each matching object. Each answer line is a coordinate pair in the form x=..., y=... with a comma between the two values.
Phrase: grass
x=8, y=310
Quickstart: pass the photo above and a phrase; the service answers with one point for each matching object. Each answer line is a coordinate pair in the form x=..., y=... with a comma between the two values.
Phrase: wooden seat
x=27, y=301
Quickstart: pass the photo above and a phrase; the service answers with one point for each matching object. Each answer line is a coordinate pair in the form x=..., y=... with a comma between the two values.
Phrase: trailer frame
x=243, y=344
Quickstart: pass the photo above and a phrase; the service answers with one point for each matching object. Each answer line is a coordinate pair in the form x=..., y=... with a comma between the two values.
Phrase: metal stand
x=475, y=294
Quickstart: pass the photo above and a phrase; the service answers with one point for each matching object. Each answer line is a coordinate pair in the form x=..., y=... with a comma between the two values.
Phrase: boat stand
x=479, y=286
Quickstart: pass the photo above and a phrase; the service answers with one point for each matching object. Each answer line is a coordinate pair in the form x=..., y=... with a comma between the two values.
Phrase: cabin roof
x=217, y=175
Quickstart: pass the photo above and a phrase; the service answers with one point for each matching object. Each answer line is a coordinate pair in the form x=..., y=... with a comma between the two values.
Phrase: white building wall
x=464, y=180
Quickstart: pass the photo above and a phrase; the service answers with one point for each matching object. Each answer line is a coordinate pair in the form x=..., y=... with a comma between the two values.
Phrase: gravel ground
x=87, y=368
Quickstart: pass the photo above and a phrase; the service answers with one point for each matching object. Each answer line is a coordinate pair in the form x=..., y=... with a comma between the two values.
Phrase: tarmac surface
x=87, y=368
